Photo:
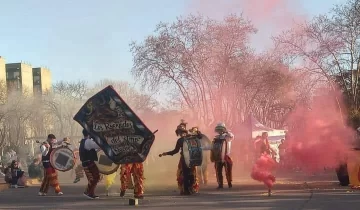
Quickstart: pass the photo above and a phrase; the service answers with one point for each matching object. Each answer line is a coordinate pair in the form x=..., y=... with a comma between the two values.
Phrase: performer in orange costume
x=186, y=177
x=137, y=171
x=50, y=174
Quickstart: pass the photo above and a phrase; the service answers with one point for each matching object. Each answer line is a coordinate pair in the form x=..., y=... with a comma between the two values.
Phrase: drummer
x=186, y=177
x=202, y=170
x=50, y=174
x=227, y=137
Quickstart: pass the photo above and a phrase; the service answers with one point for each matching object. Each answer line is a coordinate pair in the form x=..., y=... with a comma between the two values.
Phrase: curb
x=3, y=186
x=30, y=182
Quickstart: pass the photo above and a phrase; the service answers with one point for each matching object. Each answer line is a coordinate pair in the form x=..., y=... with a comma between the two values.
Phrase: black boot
x=122, y=193
x=230, y=185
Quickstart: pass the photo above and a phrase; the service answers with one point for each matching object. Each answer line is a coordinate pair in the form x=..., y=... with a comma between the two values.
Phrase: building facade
x=2, y=70
x=41, y=80
x=19, y=77
x=3, y=88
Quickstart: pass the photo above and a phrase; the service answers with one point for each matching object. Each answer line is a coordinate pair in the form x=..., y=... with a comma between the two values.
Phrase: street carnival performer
x=50, y=174
x=88, y=156
x=137, y=172
x=225, y=137
x=186, y=177
x=108, y=107
x=261, y=170
x=202, y=170
x=109, y=181
x=79, y=170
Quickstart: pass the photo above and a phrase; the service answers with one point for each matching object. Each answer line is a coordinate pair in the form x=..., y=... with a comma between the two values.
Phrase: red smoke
x=318, y=137
x=270, y=17
x=261, y=171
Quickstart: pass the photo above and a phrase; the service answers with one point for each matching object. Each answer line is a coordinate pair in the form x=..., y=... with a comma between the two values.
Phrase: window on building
x=12, y=74
x=9, y=75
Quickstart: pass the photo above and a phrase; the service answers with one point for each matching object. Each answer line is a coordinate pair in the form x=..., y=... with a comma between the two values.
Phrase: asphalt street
x=246, y=195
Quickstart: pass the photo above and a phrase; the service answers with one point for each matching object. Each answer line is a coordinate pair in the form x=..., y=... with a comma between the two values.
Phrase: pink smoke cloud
x=319, y=137
x=270, y=17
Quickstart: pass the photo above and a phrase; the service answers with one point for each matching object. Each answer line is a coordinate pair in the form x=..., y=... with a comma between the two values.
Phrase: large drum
x=206, y=145
x=105, y=165
x=192, y=151
x=62, y=158
x=217, y=153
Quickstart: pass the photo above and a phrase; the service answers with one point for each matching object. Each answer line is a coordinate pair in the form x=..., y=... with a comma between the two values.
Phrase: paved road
x=289, y=196
x=319, y=193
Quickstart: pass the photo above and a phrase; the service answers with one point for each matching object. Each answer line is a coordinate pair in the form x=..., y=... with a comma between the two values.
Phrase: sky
x=89, y=39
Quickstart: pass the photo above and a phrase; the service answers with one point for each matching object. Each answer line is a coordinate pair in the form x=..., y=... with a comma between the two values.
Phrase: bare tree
x=15, y=121
x=194, y=54
x=135, y=99
x=71, y=90
x=329, y=45
x=63, y=103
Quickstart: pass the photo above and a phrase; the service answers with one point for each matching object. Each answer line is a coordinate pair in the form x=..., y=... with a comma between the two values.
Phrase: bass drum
x=105, y=165
x=62, y=158
x=206, y=145
x=192, y=151
x=217, y=153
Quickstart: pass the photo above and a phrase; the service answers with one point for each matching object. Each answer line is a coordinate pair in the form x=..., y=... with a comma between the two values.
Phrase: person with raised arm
x=224, y=137
x=50, y=174
x=186, y=177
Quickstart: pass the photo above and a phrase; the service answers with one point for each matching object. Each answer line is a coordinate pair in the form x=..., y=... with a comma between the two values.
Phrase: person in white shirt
x=88, y=155
x=224, y=137
x=50, y=174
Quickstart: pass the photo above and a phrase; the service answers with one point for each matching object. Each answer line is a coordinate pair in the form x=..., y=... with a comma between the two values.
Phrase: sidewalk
x=4, y=186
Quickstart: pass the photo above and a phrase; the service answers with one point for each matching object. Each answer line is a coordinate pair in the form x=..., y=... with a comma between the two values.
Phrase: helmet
x=194, y=129
x=220, y=127
x=181, y=128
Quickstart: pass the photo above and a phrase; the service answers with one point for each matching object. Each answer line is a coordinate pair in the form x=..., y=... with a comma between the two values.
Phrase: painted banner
x=115, y=127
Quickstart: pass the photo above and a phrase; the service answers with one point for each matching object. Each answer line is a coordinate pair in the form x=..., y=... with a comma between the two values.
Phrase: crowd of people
x=188, y=177
x=15, y=176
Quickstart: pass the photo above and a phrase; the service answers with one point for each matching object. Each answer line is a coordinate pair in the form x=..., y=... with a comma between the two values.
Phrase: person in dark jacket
x=186, y=177
x=17, y=174
x=88, y=156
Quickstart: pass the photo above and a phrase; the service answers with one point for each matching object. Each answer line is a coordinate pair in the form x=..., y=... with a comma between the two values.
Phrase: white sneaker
x=59, y=193
x=41, y=194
